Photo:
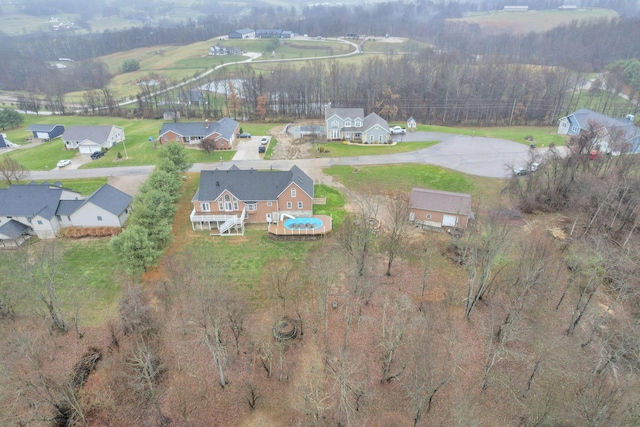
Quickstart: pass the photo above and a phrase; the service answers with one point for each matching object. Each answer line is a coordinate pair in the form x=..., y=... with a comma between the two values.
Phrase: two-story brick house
x=226, y=199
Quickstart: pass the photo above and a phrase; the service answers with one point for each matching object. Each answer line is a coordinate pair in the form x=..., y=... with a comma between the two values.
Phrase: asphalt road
x=480, y=156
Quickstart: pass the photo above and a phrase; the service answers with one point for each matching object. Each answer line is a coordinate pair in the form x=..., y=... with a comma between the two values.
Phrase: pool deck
x=280, y=230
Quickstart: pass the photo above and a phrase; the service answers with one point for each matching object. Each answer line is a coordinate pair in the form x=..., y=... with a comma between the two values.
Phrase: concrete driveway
x=247, y=149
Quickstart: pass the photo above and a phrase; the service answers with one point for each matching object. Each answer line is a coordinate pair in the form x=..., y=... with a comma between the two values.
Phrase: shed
x=46, y=132
x=433, y=208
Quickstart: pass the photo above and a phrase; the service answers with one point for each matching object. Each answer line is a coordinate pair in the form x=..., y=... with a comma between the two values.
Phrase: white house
x=89, y=139
x=43, y=209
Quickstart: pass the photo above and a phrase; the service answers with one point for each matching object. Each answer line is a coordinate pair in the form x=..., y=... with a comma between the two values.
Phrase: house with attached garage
x=438, y=209
x=43, y=209
x=89, y=139
x=350, y=124
x=615, y=135
x=45, y=132
x=227, y=199
x=222, y=132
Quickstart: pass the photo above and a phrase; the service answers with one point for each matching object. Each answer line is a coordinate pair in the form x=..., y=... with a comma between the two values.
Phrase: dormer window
x=358, y=123
x=347, y=123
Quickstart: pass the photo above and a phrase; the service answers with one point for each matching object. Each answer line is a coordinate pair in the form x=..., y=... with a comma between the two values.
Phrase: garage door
x=88, y=149
x=42, y=135
x=449, y=221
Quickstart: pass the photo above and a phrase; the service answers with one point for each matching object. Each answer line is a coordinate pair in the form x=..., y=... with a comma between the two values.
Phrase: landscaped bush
x=78, y=233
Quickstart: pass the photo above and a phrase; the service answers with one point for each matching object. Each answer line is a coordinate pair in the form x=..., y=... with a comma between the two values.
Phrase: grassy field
x=542, y=135
x=533, y=20
x=334, y=206
x=338, y=149
x=84, y=186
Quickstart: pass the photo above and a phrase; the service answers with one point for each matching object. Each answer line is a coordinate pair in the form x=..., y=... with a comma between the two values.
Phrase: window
x=220, y=205
x=99, y=218
x=235, y=206
x=252, y=206
x=300, y=205
x=428, y=216
x=370, y=138
x=269, y=203
x=39, y=222
x=227, y=198
x=289, y=205
x=358, y=123
x=205, y=207
x=334, y=124
x=68, y=218
x=347, y=123
x=293, y=192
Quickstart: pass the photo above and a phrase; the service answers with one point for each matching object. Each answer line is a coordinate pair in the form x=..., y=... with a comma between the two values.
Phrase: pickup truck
x=397, y=130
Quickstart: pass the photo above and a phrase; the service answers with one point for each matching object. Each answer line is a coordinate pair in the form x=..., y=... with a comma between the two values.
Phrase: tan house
x=432, y=208
x=227, y=199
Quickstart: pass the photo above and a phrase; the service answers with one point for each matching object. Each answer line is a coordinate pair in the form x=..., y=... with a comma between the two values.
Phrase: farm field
x=533, y=20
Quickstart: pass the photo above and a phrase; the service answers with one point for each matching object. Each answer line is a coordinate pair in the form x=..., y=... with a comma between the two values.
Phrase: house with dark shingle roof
x=43, y=209
x=433, y=208
x=222, y=132
x=237, y=196
x=350, y=124
x=89, y=139
x=614, y=135
x=45, y=132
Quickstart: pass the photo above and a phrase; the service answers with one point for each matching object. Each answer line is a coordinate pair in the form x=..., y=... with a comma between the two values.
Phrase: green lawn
x=390, y=178
x=542, y=135
x=338, y=149
x=334, y=206
x=84, y=186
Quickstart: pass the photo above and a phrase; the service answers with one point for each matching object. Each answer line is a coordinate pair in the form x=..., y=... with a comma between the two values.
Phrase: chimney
x=206, y=124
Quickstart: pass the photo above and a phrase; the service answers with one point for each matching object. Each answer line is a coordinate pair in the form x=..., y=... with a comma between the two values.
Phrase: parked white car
x=398, y=130
x=63, y=163
x=264, y=140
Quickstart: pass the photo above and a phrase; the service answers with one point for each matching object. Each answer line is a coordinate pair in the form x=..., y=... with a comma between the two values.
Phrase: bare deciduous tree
x=395, y=315
x=12, y=172
x=396, y=229
x=348, y=385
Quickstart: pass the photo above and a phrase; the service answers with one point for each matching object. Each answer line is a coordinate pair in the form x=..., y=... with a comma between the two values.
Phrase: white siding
x=87, y=216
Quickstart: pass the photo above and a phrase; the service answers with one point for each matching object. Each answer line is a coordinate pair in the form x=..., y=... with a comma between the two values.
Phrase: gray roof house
x=615, y=135
x=89, y=139
x=222, y=132
x=244, y=33
x=106, y=207
x=250, y=195
x=46, y=132
x=351, y=124
x=43, y=209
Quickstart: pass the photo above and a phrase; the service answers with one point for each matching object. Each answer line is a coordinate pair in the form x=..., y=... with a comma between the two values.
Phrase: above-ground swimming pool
x=303, y=223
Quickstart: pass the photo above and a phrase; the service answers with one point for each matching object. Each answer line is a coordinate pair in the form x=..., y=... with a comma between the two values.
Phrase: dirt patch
x=128, y=184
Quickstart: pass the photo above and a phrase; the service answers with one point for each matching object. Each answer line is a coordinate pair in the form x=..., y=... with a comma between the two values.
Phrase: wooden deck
x=280, y=230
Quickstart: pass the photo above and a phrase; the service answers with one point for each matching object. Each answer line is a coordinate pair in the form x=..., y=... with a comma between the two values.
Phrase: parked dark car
x=262, y=149
x=244, y=135
x=97, y=154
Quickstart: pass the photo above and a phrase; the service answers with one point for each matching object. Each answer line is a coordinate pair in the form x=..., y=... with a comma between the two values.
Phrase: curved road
x=480, y=156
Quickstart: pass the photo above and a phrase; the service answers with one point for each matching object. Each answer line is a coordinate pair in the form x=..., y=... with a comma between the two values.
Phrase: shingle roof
x=41, y=127
x=345, y=113
x=244, y=31
x=374, y=119
x=13, y=229
x=584, y=117
x=251, y=185
x=99, y=134
x=225, y=127
x=29, y=200
x=440, y=201
x=3, y=144
x=67, y=207
x=110, y=199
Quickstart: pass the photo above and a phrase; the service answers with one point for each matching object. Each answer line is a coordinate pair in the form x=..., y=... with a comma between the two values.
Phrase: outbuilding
x=438, y=209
